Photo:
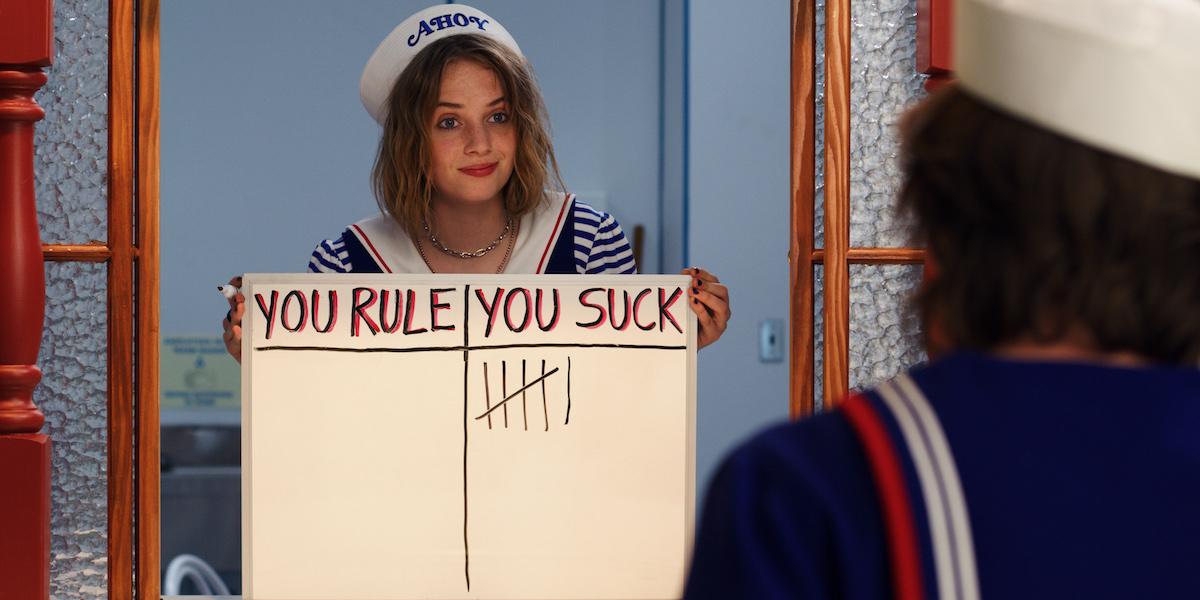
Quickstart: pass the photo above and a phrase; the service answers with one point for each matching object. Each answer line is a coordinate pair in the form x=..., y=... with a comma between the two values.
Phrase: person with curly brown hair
x=1051, y=446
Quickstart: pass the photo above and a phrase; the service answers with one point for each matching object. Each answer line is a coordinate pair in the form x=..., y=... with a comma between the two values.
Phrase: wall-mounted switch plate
x=771, y=338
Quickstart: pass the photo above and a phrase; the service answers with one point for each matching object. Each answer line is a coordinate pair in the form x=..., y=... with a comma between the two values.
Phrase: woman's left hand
x=710, y=301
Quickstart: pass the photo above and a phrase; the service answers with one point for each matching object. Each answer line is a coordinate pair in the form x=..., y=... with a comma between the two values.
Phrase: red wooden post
x=935, y=41
x=26, y=45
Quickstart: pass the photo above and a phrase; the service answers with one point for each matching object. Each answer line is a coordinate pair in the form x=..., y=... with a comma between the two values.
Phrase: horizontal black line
x=461, y=348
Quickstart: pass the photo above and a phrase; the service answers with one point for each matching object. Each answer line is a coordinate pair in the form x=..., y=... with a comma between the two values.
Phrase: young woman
x=465, y=174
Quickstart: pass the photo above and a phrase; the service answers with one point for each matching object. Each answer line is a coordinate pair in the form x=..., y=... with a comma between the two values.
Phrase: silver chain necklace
x=476, y=254
x=503, y=261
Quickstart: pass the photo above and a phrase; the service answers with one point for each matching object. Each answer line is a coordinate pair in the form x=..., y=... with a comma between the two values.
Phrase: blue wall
x=739, y=160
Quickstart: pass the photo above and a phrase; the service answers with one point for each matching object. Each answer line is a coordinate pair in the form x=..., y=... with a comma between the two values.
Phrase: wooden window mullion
x=120, y=301
x=803, y=167
x=837, y=201
x=148, y=553
x=837, y=255
x=133, y=262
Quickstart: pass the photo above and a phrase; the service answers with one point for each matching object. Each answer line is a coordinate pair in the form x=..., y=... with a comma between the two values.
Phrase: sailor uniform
x=1072, y=480
x=563, y=236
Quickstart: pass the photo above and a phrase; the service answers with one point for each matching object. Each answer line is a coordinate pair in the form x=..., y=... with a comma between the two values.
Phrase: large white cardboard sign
x=467, y=436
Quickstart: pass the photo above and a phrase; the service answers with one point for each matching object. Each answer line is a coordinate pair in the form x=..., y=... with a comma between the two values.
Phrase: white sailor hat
x=1120, y=75
x=410, y=37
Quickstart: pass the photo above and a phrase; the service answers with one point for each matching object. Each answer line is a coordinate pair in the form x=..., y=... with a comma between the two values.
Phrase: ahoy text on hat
x=416, y=32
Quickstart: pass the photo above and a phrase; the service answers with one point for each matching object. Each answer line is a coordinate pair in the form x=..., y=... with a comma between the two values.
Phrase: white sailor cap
x=1120, y=75
x=410, y=37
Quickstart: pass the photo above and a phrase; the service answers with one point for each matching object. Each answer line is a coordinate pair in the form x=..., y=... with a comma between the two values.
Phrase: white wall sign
x=467, y=436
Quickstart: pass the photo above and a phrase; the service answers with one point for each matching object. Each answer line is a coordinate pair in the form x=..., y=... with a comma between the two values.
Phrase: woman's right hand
x=233, y=322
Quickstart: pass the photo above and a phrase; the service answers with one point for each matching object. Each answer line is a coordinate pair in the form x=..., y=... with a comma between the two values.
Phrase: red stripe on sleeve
x=904, y=553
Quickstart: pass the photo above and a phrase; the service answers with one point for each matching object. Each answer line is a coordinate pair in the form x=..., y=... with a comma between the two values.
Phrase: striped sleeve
x=330, y=257
x=600, y=245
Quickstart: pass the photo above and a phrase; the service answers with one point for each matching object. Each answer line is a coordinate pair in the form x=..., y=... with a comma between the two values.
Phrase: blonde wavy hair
x=401, y=178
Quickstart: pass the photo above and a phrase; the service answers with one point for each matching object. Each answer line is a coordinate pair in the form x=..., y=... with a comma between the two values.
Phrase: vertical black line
x=487, y=393
x=524, y=410
x=545, y=411
x=568, y=391
x=504, y=388
x=466, y=372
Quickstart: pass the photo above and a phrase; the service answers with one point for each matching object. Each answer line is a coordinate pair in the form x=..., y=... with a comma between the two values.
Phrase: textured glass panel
x=885, y=336
x=883, y=83
x=819, y=195
x=72, y=395
x=71, y=143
